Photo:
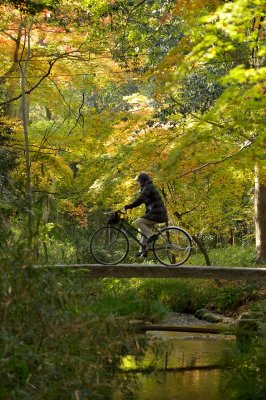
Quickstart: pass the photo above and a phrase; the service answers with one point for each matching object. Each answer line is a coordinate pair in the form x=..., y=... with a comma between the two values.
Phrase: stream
x=190, y=385
x=180, y=365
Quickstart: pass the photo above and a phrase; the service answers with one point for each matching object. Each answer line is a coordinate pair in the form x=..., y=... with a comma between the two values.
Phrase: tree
x=32, y=56
x=236, y=114
x=140, y=83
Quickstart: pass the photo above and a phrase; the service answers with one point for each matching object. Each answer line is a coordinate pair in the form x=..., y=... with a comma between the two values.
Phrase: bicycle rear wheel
x=173, y=246
x=109, y=245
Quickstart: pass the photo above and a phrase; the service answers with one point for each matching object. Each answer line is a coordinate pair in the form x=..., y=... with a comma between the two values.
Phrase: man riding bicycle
x=155, y=210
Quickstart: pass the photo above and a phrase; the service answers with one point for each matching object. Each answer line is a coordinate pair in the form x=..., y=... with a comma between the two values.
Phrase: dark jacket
x=155, y=209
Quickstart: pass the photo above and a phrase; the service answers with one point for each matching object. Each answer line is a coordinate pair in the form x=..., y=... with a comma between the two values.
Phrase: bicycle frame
x=123, y=226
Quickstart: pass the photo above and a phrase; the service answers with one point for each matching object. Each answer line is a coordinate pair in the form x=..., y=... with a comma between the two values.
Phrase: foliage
x=244, y=377
x=181, y=124
x=51, y=342
x=245, y=374
x=31, y=7
x=221, y=45
x=234, y=296
x=129, y=298
x=113, y=88
x=11, y=187
x=53, y=325
x=143, y=31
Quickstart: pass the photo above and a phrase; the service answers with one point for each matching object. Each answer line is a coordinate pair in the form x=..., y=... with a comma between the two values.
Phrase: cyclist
x=155, y=211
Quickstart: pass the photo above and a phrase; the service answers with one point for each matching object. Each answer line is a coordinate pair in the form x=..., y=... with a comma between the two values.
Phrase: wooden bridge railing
x=160, y=271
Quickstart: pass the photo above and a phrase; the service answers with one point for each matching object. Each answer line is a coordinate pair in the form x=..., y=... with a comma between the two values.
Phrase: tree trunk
x=260, y=216
x=202, y=248
x=260, y=183
x=204, y=251
x=26, y=137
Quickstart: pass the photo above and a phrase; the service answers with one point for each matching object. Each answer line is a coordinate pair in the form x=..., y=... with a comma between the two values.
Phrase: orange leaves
x=75, y=213
x=184, y=7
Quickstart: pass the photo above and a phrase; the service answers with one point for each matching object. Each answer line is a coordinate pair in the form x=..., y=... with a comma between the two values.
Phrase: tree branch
x=61, y=193
x=198, y=118
x=80, y=116
x=214, y=162
x=51, y=64
x=34, y=87
x=15, y=58
x=139, y=4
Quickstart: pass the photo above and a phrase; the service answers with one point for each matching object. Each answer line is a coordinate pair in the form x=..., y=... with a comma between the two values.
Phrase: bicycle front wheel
x=109, y=245
x=173, y=246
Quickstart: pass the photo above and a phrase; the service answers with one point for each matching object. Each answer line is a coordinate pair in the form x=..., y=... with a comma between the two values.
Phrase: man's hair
x=143, y=177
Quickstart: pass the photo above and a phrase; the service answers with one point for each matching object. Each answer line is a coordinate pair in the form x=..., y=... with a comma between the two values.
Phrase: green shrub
x=245, y=374
x=235, y=295
x=51, y=343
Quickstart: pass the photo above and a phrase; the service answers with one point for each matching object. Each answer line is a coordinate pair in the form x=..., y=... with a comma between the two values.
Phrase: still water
x=186, y=366
x=182, y=385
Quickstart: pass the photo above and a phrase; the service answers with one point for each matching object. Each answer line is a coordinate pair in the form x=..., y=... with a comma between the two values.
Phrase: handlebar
x=121, y=211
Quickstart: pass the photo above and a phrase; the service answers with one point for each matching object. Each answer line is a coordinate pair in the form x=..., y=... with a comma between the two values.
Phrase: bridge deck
x=160, y=271
x=204, y=328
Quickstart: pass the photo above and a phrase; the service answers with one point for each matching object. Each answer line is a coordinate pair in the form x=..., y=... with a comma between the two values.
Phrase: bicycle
x=109, y=245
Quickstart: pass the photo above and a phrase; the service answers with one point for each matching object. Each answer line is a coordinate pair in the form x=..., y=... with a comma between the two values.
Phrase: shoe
x=152, y=239
x=141, y=254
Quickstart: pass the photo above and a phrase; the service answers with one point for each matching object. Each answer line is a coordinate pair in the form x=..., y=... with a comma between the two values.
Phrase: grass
x=237, y=256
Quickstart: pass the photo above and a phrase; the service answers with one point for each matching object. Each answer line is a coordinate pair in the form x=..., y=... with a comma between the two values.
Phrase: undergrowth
x=51, y=343
x=151, y=299
x=64, y=336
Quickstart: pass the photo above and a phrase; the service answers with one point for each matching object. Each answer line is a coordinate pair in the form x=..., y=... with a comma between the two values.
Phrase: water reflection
x=185, y=366
x=183, y=350
x=187, y=385
x=176, y=350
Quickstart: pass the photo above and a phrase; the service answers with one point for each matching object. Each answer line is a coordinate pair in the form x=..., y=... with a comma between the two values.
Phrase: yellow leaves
x=12, y=126
x=241, y=75
x=174, y=59
x=138, y=102
x=215, y=196
x=233, y=24
x=48, y=169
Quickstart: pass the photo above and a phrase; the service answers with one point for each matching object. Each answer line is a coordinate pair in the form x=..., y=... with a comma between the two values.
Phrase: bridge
x=243, y=328
x=161, y=271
